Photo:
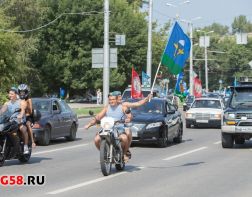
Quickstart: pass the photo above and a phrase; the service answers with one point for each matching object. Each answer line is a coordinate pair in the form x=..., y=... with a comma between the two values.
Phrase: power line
x=58, y=17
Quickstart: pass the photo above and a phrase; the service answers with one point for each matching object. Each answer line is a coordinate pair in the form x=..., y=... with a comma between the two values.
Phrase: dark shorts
x=30, y=119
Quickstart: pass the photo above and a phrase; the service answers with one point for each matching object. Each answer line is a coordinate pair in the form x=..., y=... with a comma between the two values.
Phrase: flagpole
x=155, y=77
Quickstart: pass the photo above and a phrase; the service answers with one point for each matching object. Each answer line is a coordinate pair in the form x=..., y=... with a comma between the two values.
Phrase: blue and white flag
x=145, y=79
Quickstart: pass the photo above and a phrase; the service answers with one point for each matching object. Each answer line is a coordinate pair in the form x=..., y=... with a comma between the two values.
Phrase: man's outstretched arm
x=99, y=116
x=138, y=103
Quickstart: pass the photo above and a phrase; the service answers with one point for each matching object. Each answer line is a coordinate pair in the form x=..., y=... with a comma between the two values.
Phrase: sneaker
x=26, y=150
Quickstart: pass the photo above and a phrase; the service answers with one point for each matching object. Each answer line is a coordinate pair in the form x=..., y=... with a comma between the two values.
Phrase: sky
x=210, y=11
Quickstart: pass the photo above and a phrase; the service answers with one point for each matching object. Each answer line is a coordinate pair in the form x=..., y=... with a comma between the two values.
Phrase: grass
x=85, y=111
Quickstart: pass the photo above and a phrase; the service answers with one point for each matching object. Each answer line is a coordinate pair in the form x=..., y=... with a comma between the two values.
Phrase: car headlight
x=153, y=125
x=229, y=116
x=215, y=116
x=190, y=115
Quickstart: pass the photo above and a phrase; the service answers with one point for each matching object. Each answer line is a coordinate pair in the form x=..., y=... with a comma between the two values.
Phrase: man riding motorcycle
x=131, y=105
x=116, y=111
x=12, y=105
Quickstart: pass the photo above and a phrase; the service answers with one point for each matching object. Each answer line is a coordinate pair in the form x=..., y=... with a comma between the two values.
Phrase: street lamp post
x=191, y=51
x=205, y=51
x=106, y=53
x=149, y=51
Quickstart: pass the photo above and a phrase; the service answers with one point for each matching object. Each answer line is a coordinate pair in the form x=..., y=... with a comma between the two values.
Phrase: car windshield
x=206, y=104
x=154, y=106
x=41, y=105
x=189, y=99
x=127, y=94
x=242, y=98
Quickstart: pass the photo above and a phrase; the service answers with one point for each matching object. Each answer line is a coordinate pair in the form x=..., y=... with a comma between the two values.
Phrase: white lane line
x=59, y=149
x=217, y=142
x=186, y=153
x=88, y=182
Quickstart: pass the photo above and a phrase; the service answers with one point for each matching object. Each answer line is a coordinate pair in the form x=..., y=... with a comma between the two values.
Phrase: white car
x=205, y=112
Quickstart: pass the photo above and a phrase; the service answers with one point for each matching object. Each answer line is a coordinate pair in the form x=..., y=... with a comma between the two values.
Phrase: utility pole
x=206, y=67
x=191, y=58
x=106, y=53
x=149, y=51
x=205, y=44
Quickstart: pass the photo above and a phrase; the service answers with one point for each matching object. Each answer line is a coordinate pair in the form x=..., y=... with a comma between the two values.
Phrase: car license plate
x=246, y=129
x=202, y=121
x=134, y=134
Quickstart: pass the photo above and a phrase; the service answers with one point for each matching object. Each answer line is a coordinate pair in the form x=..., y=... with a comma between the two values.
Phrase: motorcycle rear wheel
x=105, y=157
x=2, y=157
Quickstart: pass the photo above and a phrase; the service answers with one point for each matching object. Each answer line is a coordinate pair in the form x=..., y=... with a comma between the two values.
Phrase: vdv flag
x=178, y=86
x=177, y=50
x=145, y=79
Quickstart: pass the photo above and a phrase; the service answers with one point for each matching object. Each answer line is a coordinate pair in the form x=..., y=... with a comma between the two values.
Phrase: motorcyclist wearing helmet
x=24, y=94
x=11, y=106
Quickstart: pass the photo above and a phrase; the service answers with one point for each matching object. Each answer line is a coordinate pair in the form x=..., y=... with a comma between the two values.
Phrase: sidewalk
x=83, y=105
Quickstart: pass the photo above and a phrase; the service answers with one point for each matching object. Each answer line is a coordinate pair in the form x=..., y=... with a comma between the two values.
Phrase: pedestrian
x=99, y=96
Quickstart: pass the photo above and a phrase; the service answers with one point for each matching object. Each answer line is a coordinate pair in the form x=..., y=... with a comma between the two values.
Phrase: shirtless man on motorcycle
x=116, y=111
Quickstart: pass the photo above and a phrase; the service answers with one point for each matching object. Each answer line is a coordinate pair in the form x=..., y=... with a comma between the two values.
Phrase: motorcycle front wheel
x=105, y=158
x=2, y=157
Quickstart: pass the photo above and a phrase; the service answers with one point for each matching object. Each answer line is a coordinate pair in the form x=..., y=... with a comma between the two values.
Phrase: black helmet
x=23, y=88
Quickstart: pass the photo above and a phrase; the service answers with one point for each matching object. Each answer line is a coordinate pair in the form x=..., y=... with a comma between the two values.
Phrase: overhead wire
x=49, y=23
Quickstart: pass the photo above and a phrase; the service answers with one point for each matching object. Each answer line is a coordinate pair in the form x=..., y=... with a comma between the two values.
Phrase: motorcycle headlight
x=107, y=126
x=107, y=123
x=190, y=115
x=229, y=116
x=153, y=125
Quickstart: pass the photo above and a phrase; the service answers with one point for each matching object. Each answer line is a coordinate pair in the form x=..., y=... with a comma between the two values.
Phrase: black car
x=57, y=120
x=188, y=102
x=157, y=121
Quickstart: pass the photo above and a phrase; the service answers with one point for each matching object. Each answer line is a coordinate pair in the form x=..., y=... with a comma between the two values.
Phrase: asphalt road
x=197, y=167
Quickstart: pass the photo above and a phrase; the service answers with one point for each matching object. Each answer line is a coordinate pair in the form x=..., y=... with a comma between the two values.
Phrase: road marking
x=186, y=153
x=217, y=142
x=59, y=149
x=89, y=182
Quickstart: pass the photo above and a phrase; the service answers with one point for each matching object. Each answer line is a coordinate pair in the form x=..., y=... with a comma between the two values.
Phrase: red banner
x=197, y=89
x=136, y=90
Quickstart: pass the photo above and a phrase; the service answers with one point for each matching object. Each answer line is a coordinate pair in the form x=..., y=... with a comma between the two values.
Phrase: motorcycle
x=11, y=140
x=110, y=147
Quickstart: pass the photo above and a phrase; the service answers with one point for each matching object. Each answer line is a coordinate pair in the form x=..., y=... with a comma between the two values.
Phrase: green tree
x=65, y=47
x=12, y=57
x=241, y=24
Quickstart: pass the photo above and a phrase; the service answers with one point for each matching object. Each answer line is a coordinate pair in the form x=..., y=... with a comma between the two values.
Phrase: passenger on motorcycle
x=116, y=111
x=13, y=104
x=24, y=91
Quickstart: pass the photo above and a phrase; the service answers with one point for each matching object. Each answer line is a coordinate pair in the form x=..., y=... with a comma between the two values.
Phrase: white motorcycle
x=110, y=148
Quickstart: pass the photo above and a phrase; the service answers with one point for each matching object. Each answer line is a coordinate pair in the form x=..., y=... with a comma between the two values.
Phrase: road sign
x=97, y=58
x=204, y=41
x=241, y=38
x=120, y=40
